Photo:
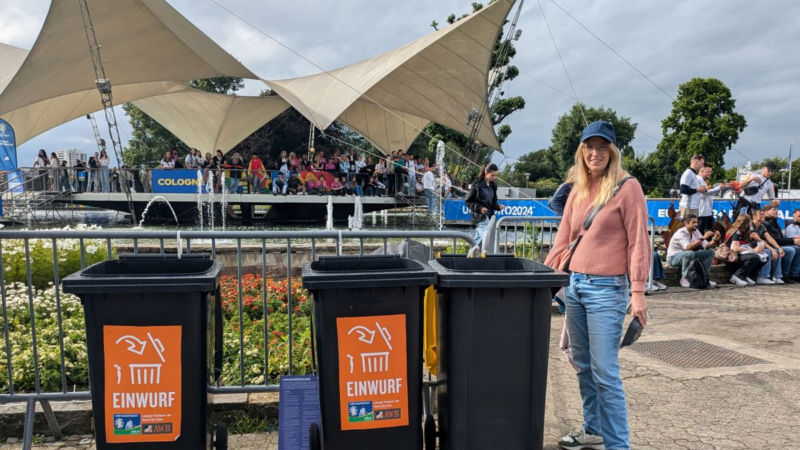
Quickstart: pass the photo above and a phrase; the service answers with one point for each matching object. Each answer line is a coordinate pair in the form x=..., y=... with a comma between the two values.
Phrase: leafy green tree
x=566, y=135
x=149, y=140
x=703, y=121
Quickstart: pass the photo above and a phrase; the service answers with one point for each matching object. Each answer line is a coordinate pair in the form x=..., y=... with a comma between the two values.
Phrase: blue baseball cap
x=600, y=129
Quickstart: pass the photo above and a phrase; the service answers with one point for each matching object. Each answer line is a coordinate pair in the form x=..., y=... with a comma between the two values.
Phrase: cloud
x=750, y=46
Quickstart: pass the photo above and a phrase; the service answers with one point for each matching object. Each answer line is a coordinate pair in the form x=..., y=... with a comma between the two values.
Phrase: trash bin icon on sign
x=142, y=373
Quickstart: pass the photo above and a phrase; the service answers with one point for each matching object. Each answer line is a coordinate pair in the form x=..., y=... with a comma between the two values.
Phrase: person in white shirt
x=192, y=161
x=103, y=162
x=167, y=163
x=692, y=187
x=793, y=230
x=705, y=217
x=754, y=188
x=448, y=187
x=411, y=167
x=688, y=245
x=429, y=184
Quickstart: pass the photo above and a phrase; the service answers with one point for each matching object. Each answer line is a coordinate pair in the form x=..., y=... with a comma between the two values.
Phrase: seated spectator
x=312, y=187
x=323, y=186
x=167, y=163
x=793, y=230
x=771, y=272
x=295, y=186
x=658, y=273
x=337, y=188
x=688, y=245
x=749, y=262
x=330, y=165
x=279, y=186
x=354, y=188
x=790, y=262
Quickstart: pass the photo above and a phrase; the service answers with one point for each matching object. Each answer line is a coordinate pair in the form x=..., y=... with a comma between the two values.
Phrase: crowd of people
x=94, y=175
x=763, y=252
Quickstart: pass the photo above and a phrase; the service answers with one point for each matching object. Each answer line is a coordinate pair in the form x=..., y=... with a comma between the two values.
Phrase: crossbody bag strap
x=595, y=211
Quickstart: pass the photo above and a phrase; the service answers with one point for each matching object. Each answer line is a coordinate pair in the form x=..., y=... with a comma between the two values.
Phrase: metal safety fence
x=33, y=262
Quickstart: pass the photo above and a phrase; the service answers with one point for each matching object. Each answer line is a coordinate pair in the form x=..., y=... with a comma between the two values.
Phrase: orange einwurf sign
x=143, y=383
x=373, y=388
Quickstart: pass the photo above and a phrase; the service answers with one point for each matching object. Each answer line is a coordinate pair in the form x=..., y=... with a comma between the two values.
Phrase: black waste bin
x=493, y=336
x=368, y=323
x=147, y=320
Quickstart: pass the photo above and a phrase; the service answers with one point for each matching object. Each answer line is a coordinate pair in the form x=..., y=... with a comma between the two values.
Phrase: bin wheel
x=430, y=433
x=315, y=442
x=221, y=437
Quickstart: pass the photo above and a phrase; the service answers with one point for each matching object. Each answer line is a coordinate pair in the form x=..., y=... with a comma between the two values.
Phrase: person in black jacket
x=482, y=200
x=790, y=263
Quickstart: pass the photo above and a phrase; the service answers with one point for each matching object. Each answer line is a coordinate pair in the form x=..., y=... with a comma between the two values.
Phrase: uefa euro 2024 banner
x=457, y=211
x=176, y=182
x=8, y=147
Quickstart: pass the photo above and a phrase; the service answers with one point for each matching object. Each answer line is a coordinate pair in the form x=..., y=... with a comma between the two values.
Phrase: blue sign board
x=298, y=408
x=457, y=211
x=8, y=147
x=176, y=181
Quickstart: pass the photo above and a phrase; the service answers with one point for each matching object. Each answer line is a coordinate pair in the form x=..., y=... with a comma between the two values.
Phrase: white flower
x=91, y=249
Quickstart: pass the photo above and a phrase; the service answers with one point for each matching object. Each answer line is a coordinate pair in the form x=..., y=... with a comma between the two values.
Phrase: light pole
x=527, y=180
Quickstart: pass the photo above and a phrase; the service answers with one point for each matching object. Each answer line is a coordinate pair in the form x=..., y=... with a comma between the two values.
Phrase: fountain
x=147, y=208
x=200, y=198
x=329, y=221
x=356, y=221
x=210, y=190
x=224, y=204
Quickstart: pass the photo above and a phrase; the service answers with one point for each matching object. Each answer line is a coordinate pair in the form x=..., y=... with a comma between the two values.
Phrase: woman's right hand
x=484, y=210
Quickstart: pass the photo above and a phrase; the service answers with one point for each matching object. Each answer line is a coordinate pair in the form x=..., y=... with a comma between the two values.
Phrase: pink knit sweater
x=617, y=242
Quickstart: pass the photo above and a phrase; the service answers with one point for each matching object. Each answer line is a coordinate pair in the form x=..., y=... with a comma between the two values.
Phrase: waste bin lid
x=349, y=272
x=496, y=273
x=145, y=275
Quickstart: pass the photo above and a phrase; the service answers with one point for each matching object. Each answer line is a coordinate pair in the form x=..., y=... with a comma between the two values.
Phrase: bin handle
x=217, y=335
x=180, y=244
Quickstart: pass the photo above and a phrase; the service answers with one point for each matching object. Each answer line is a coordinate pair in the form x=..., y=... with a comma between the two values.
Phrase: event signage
x=457, y=211
x=8, y=147
x=298, y=408
x=176, y=181
x=373, y=375
x=142, y=383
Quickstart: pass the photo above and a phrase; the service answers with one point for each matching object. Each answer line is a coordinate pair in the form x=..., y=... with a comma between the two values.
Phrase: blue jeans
x=479, y=229
x=658, y=268
x=430, y=201
x=106, y=187
x=685, y=259
x=595, y=313
x=791, y=262
x=773, y=266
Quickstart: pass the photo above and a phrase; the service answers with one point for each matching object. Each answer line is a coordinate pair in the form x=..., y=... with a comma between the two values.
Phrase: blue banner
x=457, y=211
x=176, y=181
x=8, y=147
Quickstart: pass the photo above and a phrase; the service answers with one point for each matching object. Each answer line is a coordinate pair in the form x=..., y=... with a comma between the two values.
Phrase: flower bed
x=75, y=352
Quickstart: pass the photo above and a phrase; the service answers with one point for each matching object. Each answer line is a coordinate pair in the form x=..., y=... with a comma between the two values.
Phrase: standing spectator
x=256, y=173
x=559, y=199
x=772, y=272
x=692, y=187
x=411, y=168
x=615, y=249
x=55, y=177
x=103, y=161
x=359, y=164
x=295, y=186
x=65, y=184
x=749, y=263
x=192, y=160
x=219, y=164
x=207, y=165
x=279, y=186
x=447, y=187
x=93, y=176
x=790, y=262
x=80, y=176
x=167, y=163
x=42, y=174
x=344, y=164
x=429, y=184
x=294, y=163
x=689, y=245
x=673, y=193
x=236, y=172
x=482, y=200
x=705, y=218
x=754, y=188
x=176, y=158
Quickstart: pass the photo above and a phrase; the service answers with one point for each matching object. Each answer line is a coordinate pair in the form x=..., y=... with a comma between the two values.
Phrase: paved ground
x=750, y=407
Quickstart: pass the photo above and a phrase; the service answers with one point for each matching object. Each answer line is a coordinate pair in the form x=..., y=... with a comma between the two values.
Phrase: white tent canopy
x=207, y=121
x=388, y=130
x=142, y=41
x=11, y=59
x=438, y=78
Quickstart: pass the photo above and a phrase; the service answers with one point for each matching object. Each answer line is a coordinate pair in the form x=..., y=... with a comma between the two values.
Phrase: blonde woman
x=597, y=296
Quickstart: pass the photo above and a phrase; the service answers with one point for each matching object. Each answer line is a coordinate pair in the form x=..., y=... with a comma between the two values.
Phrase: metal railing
x=545, y=228
x=33, y=246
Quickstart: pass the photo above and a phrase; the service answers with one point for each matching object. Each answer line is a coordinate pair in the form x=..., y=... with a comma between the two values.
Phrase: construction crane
x=496, y=78
x=104, y=87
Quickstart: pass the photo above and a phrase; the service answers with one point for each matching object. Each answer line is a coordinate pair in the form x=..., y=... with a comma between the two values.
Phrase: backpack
x=697, y=275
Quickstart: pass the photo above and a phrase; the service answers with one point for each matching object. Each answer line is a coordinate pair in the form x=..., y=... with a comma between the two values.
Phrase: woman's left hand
x=639, y=307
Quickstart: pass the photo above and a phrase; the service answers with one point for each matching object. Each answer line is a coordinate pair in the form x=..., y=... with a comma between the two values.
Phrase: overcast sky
x=752, y=47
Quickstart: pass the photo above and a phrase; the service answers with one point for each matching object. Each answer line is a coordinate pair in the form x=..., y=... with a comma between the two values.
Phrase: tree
x=566, y=135
x=703, y=121
x=149, y=140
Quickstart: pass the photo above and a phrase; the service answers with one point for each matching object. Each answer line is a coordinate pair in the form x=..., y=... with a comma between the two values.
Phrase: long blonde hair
x=582, y=178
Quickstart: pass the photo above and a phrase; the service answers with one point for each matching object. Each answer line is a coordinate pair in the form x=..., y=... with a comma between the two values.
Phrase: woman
x=103, y=162
x=192, y=161
x=482, y=200
x=235, y=173
x=256, y=173
x=360, y=165
x=597, y=295
x=207, y=165
x=294, y=163
x=426, y=164
x=319, y=161
x=749, y=262
x=44, y=163
x=56, y=178
x=167, y=163
x=80, y=176
x=354, y=188
x=344, y=164
x=219, y=164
